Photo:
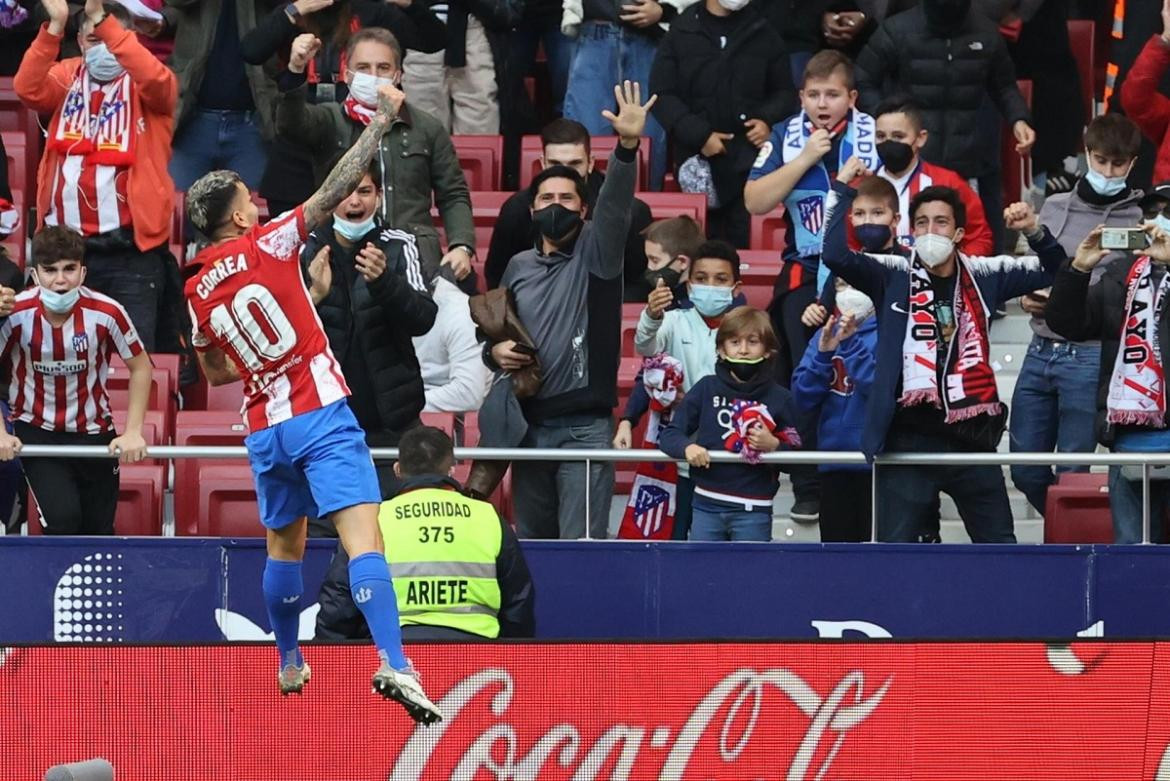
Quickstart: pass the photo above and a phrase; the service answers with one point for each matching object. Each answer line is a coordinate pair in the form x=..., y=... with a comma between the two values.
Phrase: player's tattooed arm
x=216, y=367
x=352, y=166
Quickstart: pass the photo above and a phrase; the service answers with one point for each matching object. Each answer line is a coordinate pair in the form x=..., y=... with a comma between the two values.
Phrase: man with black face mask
x=568, y=294
x=948, y=58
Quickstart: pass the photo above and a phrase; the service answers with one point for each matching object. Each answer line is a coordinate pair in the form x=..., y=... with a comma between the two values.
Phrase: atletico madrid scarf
x=104, y=136
x=358, y=112
x=967, y=378
x=1137, y=389
x=650, y=510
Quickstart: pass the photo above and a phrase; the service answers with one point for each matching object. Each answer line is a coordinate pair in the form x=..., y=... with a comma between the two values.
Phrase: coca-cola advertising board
x=1095, y=710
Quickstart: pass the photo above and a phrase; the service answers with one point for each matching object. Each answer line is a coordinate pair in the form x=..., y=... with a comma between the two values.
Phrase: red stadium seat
x=1081, y=37
x=666, y=205
x=485, y=209
x=195, y=428
x=768, y=230
x=227, y=501
x=140, y=501
x=154, y=426
x=600, y=146
x=444, y=421
x=1077, y=509
x=480, y=158
x=759, y=266
x=162, y=390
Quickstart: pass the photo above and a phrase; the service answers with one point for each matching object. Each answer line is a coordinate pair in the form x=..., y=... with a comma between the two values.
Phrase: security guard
x=458, y=570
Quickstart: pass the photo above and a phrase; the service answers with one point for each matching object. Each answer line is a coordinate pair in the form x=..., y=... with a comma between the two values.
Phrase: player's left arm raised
x=130, y=445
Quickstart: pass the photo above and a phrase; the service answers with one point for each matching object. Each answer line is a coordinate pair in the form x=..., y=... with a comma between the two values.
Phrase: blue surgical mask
x=1105, y=186
x=60, y=303
x=353, y=230
x=710, y=300
x=1162, y=222
x=103, y=67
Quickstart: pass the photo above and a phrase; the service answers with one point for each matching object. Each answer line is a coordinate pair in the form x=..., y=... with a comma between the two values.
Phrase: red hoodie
x=1148, y=108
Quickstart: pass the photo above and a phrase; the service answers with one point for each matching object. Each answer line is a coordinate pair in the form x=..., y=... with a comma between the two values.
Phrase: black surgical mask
x=873, y=238
x=671, y=276
x=556, y=223
x=895, y=155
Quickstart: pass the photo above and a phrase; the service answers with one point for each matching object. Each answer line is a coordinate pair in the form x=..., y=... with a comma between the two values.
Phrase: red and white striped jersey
x=88, y=198
x=249, y=299
x=58, y=374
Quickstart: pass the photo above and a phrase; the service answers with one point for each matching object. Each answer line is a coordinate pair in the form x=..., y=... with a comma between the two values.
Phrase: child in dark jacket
x=739, y=409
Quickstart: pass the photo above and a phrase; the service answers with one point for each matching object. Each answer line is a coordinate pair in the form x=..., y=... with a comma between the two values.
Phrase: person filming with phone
x=1053, y=406
x=1126, y=304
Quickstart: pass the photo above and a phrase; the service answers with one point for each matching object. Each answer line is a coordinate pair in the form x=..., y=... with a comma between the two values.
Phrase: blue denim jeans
x=558, y=49
x=1125, y=496
x=1054, y=406
x=718, y=522
x=214, y=139
x=908, y=495
x=605, y=55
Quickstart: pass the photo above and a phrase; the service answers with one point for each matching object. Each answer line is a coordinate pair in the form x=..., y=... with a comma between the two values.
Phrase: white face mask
x=933, y=249
x=853, y=303
x=60, y=303
x=364, y=88
x=733, y=5
x=103, y=67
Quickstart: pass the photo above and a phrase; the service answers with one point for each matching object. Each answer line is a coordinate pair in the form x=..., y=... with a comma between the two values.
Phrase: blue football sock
x=283, y=587
x=373, y=593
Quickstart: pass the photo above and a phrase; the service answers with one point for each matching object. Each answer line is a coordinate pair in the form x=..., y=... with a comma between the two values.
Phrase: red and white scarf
x=1137, y=389
x=358, y=111
x=968, y=378
x=104, y=138
x=653, y=498
x=662, y=376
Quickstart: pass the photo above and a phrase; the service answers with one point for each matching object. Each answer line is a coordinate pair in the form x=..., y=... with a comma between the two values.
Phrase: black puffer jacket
x=384, y=314
x=1080, y=312
x=712, y=73
x=948, y=77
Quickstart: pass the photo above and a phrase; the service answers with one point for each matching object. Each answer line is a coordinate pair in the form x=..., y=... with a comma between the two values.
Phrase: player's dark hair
x=564, y=131
x=54, y=243
x=558, y=172
x=717, y=249
x=425, y=450
x=210, y=199
x=947, y=195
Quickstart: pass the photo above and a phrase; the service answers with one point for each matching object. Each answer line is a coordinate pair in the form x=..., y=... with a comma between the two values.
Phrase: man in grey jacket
x=568, y=293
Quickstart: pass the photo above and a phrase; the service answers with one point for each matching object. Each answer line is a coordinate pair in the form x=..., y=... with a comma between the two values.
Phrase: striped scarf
x=105, y=137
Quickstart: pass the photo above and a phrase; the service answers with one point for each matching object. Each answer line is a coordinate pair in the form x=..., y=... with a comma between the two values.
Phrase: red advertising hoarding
x=639, y=712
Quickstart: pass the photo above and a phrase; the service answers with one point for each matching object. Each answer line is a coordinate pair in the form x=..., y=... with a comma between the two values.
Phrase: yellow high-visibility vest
x=442, y=549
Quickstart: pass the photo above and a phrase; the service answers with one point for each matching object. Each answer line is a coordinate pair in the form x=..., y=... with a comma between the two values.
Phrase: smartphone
x=524, y=349
x=1124, y=238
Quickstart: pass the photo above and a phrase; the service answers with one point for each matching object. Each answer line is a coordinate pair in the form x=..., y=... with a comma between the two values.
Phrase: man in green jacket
x=416, y=156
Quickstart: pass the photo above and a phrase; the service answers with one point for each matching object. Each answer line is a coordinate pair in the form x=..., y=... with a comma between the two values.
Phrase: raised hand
x=1089, y=252
x=630, y=120
x=1159, y=248
x=852, y=169
x=660, y=298
x=813, y=315
x=7, y=300
x=58, y=12
x=311, y=6
x=818, y=145
x=836, y=330
x=304, y=48
x=320, y=275
x=94, y=10
x=1021, y=217
x=370, y=262
x=390, y=100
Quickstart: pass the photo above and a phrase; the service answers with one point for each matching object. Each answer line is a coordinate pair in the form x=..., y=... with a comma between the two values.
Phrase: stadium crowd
x=870, y=133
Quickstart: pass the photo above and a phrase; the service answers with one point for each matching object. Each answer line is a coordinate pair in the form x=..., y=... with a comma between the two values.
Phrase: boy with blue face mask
x=1053, y=405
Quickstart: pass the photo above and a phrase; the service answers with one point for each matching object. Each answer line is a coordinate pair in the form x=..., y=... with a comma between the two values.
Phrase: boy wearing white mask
x=934, y=389
x=104, y=170
x=1054, y=405
x=57, y=346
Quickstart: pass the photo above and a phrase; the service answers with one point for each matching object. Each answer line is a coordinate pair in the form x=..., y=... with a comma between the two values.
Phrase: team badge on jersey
x=81, y=343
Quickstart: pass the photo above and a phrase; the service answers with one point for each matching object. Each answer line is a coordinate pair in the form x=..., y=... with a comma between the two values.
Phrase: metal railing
x=1144, y=460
